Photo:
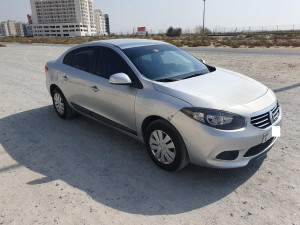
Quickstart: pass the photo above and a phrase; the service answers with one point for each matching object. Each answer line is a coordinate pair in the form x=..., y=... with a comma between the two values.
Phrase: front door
x=114, y=104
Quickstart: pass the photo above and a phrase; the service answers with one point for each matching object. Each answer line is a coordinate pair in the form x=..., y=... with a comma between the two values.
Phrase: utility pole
x=293, y=28
x=203, y=21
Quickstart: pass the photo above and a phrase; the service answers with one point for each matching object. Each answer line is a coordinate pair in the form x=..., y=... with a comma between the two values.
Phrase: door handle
x=95, y=89
x=65, y=78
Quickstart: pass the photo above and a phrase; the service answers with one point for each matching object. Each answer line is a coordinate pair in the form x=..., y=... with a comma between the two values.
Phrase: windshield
x=165, y=62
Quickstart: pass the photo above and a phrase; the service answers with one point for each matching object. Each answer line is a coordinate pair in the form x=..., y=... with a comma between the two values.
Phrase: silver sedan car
x=183, y=109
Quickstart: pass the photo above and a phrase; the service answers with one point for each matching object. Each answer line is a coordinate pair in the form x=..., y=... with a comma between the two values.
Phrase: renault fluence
x=182, y=108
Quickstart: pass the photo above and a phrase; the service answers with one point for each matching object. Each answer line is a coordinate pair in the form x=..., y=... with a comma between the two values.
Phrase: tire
x=61, y=105
x=166, y=146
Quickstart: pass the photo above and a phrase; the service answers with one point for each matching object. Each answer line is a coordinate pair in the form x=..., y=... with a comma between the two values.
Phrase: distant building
x=107, y=23
x=12, y=28
x=4, y=29
x=100, y=22
x=57, y=18
x=28, y=27
x=19, y=29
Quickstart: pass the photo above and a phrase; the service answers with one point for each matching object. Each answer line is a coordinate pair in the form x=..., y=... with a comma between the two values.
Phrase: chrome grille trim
x=264, y=125
x=260, y=117
x=276, y=116
x=275, y=111
x=266, y=119
x=261, y=121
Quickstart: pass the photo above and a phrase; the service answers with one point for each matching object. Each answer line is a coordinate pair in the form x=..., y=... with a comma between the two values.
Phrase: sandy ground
x=81, y=172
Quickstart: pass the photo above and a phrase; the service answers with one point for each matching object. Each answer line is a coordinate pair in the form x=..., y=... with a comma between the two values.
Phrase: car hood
x=219, y=89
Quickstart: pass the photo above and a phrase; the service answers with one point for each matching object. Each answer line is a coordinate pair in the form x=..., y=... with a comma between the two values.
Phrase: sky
x=160, y=14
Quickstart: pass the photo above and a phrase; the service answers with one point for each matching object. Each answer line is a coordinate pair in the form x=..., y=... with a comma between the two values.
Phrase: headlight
x=216, y=118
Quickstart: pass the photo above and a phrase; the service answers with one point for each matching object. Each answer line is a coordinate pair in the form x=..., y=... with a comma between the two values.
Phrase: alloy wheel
x=59, y=104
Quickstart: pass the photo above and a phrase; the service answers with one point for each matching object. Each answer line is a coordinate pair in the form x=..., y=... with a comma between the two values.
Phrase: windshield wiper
x=193, y=75
x=176, y=79
x=167, y=80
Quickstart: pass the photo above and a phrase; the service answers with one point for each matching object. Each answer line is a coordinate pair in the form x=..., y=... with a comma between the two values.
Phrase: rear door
x=76, y=73
x=114, y=104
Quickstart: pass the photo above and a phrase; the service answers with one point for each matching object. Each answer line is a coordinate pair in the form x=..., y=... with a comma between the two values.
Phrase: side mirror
x=120, y=79
x=203, y=61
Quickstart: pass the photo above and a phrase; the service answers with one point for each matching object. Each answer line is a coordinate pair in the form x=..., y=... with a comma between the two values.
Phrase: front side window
x=158, y=62
x=110, y=62
x=83, y=59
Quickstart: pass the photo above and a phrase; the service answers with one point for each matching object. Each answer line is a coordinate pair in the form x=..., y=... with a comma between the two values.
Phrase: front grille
x=266, y=119
x=259, y=148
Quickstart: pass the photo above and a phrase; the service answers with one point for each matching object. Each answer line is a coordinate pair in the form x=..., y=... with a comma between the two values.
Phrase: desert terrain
x=82, y=172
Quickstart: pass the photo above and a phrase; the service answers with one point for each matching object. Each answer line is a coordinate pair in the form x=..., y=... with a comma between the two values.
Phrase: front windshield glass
x=162, y=62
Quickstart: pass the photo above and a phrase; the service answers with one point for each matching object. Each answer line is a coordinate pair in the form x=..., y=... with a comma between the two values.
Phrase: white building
x=100, y=22
x=12, y=28
x=57, y=18
x=19, y=29
x=4, y=29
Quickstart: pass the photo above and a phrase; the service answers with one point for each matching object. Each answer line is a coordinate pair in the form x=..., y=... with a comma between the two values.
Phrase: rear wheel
x=60, y=104
x=165, y=146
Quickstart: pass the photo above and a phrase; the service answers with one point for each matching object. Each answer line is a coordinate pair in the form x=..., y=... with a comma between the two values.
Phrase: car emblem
x=271, y=117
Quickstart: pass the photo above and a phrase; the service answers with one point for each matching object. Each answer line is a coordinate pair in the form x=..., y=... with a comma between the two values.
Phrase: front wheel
x=165, y=146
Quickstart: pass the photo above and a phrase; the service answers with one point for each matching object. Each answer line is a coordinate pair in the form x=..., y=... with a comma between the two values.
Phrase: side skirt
x=103, y=119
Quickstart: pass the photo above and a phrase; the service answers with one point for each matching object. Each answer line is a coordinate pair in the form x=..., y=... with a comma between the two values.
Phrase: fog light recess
x=228, y=155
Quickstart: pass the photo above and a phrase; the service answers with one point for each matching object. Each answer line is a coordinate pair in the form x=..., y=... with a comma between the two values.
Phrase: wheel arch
x=147, y=121
x=52, y=87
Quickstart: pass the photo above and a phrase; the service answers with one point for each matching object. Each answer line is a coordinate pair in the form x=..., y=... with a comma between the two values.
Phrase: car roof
x=128, y=43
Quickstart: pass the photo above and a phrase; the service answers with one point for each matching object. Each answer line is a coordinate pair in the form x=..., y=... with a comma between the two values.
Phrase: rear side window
x=83, y=59
x=68, y=59
x=110, y=62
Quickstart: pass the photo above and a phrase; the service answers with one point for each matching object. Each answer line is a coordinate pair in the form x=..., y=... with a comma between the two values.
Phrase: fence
x=255, y=29
x=224, y=30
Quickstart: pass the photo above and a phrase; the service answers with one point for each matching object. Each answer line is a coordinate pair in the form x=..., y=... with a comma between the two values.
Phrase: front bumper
x=204, y=143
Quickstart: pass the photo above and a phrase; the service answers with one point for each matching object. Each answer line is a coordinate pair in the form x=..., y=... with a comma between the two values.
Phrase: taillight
x=46, y=69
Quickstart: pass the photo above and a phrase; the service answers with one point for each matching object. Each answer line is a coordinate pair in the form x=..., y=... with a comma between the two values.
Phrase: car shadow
x=111, y=167
x=287, y=88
